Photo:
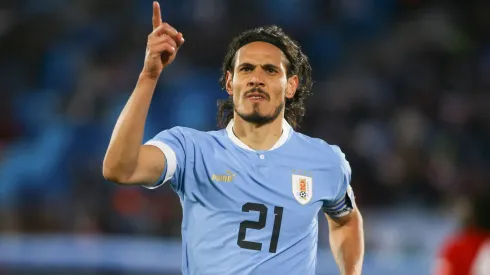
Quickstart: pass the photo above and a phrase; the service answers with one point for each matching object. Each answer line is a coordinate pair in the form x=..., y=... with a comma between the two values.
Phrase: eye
x=245, y=69
x=271, y=70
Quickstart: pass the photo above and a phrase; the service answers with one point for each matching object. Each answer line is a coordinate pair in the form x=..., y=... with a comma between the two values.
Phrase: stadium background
x=400, y=85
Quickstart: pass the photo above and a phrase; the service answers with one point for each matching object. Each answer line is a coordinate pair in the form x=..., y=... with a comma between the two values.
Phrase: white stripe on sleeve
x=171, y=161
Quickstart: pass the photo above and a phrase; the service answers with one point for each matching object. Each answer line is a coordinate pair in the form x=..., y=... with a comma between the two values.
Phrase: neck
x=261, y=137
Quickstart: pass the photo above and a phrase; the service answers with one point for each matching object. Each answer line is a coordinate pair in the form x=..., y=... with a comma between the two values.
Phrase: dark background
x=400, y=85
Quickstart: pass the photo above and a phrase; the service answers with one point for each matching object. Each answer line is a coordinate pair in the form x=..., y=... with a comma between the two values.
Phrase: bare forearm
x=122, y=153
x=347, y=244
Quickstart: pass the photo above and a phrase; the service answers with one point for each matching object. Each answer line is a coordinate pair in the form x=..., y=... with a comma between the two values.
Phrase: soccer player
x=250, y=192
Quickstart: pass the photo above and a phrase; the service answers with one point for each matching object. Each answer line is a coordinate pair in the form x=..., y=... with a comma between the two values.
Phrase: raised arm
x=126, y=160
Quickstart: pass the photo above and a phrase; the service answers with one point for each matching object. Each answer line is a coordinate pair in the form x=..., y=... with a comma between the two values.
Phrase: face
x=259, y=83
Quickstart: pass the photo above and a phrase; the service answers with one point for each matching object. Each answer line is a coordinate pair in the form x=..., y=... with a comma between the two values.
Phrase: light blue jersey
x=248, y=211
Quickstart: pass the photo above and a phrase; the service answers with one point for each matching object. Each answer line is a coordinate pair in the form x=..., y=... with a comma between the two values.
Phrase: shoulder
x=192, y=137
x=184, y=131
x=191, y=133
x=330, y=156
x=330, y=152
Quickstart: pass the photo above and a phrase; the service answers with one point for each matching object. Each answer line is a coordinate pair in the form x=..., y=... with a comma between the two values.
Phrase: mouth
x=256, y=97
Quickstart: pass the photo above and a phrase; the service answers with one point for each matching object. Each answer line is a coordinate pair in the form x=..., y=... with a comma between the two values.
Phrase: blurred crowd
x=400, y=85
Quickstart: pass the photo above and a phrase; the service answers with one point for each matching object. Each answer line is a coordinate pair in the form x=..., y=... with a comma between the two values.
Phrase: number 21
x=260, y=224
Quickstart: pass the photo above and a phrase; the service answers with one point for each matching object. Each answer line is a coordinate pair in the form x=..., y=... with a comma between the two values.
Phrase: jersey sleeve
x=173, y=145
x=344, y=202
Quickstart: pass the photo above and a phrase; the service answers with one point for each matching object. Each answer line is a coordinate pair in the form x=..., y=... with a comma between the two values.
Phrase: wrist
x=149, y=76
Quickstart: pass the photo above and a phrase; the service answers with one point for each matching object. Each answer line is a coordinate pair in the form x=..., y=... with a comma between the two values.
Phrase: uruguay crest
x=302, y=188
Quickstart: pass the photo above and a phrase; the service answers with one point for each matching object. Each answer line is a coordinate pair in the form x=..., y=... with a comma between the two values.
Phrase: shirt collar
x=286, y=130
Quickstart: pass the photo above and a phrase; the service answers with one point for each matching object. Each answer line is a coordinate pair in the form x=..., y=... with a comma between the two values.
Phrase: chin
x=254, y=114
x=257, y=117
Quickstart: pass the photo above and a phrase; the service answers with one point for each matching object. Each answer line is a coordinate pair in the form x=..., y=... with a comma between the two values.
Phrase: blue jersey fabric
x=248, y=211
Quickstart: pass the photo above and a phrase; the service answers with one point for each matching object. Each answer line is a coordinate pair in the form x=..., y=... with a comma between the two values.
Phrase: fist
x=162, y=46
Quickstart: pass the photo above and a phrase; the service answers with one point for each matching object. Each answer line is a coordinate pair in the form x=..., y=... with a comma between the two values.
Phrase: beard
x=258, y=119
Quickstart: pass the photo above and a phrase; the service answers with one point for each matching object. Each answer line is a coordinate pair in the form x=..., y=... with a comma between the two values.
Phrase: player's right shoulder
x=175, y=143
x=182, y=131
x=186, y=134
x=193, y=131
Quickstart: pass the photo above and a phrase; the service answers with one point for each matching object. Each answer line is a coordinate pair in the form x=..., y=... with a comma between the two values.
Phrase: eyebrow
x=269, y=66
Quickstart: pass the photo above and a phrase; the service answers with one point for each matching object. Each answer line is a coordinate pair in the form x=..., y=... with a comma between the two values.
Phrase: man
x=250, y=192
x=468, y=251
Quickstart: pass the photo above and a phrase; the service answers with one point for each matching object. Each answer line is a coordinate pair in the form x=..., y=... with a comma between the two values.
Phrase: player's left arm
x=347, y=241
x=345, y=223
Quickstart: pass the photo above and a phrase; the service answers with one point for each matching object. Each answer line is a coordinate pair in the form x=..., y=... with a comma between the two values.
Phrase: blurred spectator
x=468, y=251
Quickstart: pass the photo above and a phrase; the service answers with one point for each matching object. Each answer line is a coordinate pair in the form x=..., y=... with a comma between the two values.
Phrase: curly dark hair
x=298, y=65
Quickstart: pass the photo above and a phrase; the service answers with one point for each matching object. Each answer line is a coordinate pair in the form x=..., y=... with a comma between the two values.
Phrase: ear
x=229, y=79
x=293, y=83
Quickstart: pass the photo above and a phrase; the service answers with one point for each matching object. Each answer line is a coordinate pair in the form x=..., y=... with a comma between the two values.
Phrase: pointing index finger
x=157, y=16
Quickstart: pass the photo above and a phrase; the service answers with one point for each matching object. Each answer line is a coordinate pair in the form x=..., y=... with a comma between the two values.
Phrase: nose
x=255, y=81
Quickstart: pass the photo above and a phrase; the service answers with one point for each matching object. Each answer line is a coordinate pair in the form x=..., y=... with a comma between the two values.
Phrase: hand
x=163, y=44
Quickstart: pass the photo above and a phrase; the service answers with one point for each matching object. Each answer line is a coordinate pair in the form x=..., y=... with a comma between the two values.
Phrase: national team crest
x=302, y=188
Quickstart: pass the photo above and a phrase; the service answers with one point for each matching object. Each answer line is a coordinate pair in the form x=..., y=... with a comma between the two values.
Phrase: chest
x=228, y=180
